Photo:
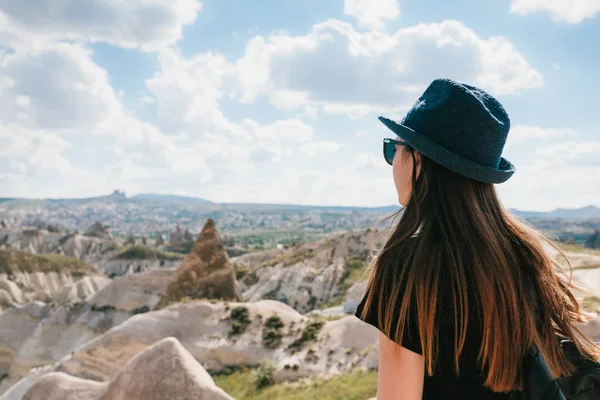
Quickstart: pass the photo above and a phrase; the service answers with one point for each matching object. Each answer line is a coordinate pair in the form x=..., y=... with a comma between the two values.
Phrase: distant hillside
x=168, y=198
x=588, y=212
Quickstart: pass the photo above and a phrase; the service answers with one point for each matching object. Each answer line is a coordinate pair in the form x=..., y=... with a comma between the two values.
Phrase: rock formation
x=27, y=277
x=205, y=272
x=130, y=240
x=81, y=290
x=308, y=275
x=87, y=248
x=304, y=346
x=38, y=334
x=353, y=296
x=133, y=292
x=159, y=241
x=98, y=230
x=165, y=370
x=593, y=241
x=176, y=237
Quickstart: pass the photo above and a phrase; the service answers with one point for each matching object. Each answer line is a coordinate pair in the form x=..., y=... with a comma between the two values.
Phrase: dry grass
x=15, y=261
x=358, y=385
x=575, y=248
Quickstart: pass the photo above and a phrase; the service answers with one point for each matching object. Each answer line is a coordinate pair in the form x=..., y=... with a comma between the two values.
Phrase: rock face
x=204, y=329
x=26, y=277
x=113, y=267
x=164, y=370
x=134, y=292
x=593, y=241
x=176, y=237
x=206, y=272
x=60, y=386
x=35, y=241
x=307, y=275
x=353, y=296
x=100, y=231
x=37, y=334
x=81, y=290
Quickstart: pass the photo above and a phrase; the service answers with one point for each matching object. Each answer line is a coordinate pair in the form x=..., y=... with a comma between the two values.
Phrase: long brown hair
x=465, y=237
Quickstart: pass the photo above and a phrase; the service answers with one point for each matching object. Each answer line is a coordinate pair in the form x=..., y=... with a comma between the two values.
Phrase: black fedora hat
x=460, y=127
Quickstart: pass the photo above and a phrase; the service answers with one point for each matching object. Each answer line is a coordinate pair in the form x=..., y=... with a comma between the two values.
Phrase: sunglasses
x=389, y=149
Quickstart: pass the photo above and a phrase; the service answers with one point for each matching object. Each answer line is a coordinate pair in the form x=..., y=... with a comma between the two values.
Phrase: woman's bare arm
x=400, y=373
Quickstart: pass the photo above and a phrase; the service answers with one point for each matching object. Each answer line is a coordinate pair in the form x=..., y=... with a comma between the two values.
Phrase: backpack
x=583, y=384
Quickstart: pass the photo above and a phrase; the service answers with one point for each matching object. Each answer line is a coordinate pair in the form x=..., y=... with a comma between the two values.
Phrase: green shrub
x=263, y=375
x=311, y=355
x=141, y=310
x=309, y=334
x=104, y=308
x=239, y=320
x=272, y=331
x=241, y=271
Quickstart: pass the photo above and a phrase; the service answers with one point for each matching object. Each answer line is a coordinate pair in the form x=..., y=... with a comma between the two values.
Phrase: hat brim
x=450, y=160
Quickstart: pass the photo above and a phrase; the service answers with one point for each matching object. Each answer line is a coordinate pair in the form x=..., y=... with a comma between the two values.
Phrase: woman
x=461, y=289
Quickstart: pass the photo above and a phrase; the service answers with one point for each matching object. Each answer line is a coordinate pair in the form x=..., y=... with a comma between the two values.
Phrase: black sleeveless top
x=444, y=383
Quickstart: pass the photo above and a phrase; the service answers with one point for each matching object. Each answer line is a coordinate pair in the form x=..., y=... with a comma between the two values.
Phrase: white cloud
x=145, y=24
x=36, y=153
x=371, y=13
x=52, y=90
x=57, y=87
x=564, y=174
x=321, y=148
x=570, y=11
x=147, y=100
x=570, y=154
x=188, y=91
x=519, y=133
x=345, y=71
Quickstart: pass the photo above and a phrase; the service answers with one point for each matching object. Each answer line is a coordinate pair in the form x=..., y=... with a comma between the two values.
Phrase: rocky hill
x=142, y=377
x=205, y=272
x=27, y=277
x=310, y=275
x=38, y=334
x=92, y=346
x=220, y=335
x=135, y=259
x=40, y=241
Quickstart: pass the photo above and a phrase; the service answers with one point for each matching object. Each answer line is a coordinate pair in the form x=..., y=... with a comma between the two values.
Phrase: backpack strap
x=539, y=382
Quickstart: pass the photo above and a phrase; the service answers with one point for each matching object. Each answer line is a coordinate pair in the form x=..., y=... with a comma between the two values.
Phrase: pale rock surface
x=164, y=370
x=60, y=386
x=35, y=285
x=307, y=275
x=82, y=289
x=115, y=267
x=353, y=296
x=14, y=293
x=86, y=248
x=37, y=334
x=131, y=292
x=203, y=329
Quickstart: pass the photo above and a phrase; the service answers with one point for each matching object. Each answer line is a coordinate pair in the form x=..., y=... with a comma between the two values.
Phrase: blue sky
x=277, y=102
